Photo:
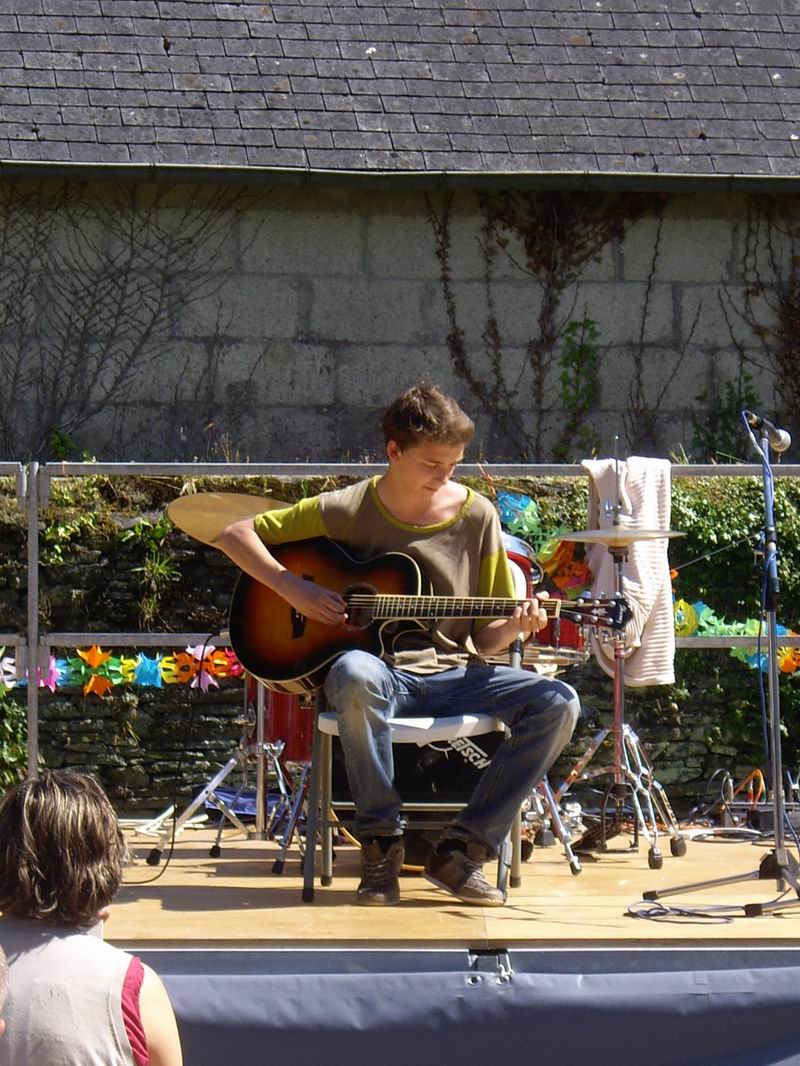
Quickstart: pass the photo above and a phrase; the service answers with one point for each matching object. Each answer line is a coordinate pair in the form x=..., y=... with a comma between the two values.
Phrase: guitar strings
x=447, y=604
x=436, y=606
x=386, y=606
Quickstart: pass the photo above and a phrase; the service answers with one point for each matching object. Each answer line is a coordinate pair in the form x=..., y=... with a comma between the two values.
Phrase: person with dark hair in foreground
x=454, y=535
x=73, y=1000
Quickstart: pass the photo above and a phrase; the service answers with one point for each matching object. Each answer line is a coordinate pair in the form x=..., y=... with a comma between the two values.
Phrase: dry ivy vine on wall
x=641, y=414
x=770, y=305
x=558, y=234
x=93, y=282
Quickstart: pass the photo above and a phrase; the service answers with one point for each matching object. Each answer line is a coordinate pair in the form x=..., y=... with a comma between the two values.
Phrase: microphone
x=779, y=439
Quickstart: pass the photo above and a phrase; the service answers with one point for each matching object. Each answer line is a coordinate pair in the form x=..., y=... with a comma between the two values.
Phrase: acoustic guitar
x=292, y=653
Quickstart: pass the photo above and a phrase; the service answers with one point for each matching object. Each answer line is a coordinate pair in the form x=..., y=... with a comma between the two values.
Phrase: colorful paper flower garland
x=94, y=670
x=520, y=515
x=698, y=620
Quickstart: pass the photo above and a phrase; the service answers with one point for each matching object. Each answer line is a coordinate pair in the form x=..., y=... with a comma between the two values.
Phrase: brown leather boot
x=381, y=860
x=458, y=869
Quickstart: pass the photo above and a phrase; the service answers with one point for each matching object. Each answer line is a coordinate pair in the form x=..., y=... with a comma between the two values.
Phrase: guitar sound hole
x=359, y=616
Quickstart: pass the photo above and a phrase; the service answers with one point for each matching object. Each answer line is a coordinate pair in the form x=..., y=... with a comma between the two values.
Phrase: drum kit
x=283, y=723
x=561, y=643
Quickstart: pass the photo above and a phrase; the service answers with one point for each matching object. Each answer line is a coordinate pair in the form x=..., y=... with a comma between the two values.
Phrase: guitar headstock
x=614, y=613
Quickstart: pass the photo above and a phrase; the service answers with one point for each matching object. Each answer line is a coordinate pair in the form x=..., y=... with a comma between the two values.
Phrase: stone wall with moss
x=152, y=745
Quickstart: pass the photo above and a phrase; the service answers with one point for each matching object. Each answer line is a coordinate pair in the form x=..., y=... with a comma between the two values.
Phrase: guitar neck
x=420, y=607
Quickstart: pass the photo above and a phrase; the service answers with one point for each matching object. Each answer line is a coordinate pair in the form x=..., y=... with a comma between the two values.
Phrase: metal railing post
x=33, y=619
x=261, y=764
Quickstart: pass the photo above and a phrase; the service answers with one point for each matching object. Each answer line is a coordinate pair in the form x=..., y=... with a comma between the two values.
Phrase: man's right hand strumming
x=311, y=600
x=243, y=546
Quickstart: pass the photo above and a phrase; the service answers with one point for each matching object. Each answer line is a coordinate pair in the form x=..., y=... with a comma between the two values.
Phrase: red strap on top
x=131, y=987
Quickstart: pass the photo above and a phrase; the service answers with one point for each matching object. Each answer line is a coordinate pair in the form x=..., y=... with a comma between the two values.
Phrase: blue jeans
x=540, y=713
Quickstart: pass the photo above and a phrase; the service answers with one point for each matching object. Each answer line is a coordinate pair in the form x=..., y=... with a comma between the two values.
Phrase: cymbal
x=619, y=536
x=204, y=515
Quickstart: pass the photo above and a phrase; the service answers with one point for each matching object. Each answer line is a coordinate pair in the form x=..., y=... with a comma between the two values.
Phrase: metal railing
x=33, y=493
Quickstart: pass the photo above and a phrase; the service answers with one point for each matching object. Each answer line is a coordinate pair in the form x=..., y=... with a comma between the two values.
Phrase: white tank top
x=64, y=1004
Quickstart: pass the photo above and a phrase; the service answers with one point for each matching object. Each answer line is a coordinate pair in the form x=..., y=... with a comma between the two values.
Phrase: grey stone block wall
x=288, y=325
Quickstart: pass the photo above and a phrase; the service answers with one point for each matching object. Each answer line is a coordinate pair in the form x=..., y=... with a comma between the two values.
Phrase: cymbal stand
x=207, y=795
x=778, y=864
x=267, y=757
x=630, y=769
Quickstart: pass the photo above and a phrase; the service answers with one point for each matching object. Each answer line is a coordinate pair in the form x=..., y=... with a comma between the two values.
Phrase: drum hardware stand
x=287, y=807
x=630, y=770
x=267, y=757
x=778, y=864
x=206, y=793
x=649, y=799
x=293, y=788
x=290, y=808
x=548, y=801
x=549, y=805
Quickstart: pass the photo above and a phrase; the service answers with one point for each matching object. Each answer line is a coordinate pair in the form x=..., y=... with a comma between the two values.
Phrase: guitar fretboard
x=444, y=606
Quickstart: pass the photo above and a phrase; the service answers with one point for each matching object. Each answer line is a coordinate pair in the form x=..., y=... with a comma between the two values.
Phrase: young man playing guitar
x=434, y=669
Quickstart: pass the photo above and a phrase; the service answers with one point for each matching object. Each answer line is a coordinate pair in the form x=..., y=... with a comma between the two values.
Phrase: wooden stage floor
x=235, y=901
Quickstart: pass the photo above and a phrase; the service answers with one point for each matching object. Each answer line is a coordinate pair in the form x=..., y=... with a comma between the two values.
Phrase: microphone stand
x=778, y=864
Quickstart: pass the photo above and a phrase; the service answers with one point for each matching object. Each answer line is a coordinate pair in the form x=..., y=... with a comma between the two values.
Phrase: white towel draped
x=645, y=503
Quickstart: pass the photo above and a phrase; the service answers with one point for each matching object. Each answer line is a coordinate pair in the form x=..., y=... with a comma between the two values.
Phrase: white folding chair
x=321, y=818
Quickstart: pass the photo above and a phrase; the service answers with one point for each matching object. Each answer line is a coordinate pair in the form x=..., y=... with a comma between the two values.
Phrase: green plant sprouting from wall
x=158, y=568
x=718, y=433
x=62, y=533
x=579, y=366
x=13, y=743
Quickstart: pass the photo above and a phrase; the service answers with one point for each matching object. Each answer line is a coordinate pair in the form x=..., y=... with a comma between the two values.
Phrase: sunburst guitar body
x=292, y=653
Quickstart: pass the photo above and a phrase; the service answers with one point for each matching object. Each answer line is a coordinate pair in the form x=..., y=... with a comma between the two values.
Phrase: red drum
x=562, y=641
x=521, y=553
x=287, y=717
x=288, y=720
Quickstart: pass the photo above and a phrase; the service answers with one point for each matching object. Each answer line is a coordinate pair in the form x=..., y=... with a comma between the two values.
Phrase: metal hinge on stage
x=491, y=962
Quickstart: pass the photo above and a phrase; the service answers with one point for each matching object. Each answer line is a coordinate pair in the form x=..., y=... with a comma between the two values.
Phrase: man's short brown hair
x=424, y=413
x=62, y=851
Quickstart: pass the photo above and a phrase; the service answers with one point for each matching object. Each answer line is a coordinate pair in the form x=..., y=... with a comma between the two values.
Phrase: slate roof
x=688, y=87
